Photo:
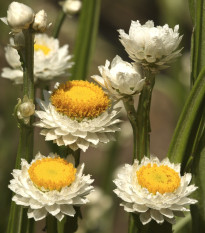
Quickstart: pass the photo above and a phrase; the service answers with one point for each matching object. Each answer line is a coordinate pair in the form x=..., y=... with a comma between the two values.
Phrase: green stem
x=131, y=114
x=17, y=216
x=76, y=155
x=58, y=24
x=143, y=117
x=70, y=224
x=51, y=224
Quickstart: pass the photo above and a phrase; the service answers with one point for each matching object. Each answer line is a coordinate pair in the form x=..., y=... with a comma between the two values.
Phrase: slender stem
x=17, y=217
x=59, y=22
x=131, y=114
x=51, y=224
x=143, y=117
x=76, y=155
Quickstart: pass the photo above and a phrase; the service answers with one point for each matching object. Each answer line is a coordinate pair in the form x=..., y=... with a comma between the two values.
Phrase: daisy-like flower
x=50, y=185
x=155, y=190
x=151, y=46
x=122, y=78
x=77, y=114
x=50, y=60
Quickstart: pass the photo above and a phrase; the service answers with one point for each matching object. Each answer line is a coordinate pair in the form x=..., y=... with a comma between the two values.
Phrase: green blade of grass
x=86, y=37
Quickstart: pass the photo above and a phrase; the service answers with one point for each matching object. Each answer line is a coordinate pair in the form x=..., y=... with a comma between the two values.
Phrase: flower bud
x=25, y=109
x=19, y=16
x=40, y=21
x=71, y=6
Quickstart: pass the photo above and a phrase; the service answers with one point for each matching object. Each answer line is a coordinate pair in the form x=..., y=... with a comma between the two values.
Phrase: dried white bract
x=40, y=21
x=151, y=46
x=19, y=16
x=71, y=6
x=25, y=110
x=122, y=78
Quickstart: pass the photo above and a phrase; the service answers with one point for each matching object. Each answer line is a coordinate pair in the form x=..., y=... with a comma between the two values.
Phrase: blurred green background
x=170, y=92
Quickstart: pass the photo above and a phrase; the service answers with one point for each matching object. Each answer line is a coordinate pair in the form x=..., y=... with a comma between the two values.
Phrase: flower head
x=151, y=46
x=71, y=7
x=122, y=78
x=77, y=114
x=154, y=189
x=50, y=185
x=50, y=60
x=40, y=21
x=19, y=16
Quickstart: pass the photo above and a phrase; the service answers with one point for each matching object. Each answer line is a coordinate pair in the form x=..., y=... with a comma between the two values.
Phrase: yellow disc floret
x=43, y=48
x=162, y=179
x=80, y=99
x=52, y=173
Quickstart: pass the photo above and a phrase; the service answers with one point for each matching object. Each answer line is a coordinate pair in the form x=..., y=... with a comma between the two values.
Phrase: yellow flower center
x=80, y=99
x=43, y=48
x=52, y=173
x=162, y=179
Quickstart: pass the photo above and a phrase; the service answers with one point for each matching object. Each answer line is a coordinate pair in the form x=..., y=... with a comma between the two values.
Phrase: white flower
x=71, y=6
x=19, y=16
x=155, y=190
x=40, y=21
x=25, y=109
x=50, y=60
x=77, y=114
x=50, y=185
x=120, y=79
x=151, y=46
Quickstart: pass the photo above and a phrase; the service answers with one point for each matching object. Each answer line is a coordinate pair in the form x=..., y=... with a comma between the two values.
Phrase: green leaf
x=198, y=210
x=187, y=126
x=86, y=37
x=183, y=225
x=198, y=38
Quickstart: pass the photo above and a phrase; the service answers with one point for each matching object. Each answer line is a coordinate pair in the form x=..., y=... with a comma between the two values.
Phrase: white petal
x=67, y=210
x=155, y=214
x=37, y=214
x=145, y=217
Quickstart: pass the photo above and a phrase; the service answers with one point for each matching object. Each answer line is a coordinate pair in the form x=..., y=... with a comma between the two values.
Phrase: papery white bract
x=151, y=46
x=40, y=21
x=19, y=16
x=71, y=7
x=50, y=60
x=120, y=79
x=75, y=133
x=159, y=201
x=55, y=202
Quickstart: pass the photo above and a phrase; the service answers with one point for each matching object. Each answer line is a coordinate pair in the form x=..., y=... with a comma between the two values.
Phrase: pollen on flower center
x=162, y=179
x=80, y=99
x=43, y=48
x=52, y=173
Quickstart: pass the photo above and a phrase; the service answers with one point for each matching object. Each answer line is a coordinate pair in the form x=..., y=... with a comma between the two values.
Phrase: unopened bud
x=25, y=109
x=19, y=16
x=71, y=6
x=40, y=21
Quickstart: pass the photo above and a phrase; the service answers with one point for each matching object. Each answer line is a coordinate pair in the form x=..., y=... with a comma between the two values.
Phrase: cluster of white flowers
x=80, y=114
